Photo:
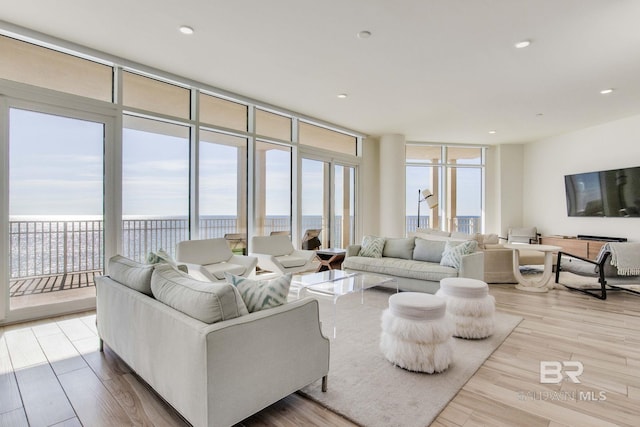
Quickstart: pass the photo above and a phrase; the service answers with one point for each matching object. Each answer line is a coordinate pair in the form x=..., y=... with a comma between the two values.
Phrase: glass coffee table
x=337, y=283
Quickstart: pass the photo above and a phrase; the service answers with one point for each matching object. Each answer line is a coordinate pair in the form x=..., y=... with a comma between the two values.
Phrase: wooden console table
x=584, y=248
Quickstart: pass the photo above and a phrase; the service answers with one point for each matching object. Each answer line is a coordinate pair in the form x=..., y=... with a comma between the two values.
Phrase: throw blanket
x=624, y=256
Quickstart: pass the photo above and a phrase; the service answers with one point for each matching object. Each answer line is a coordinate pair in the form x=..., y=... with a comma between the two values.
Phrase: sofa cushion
x=399, y=248
x=490, y=239
x=489, y=246
x=218, y=270
x=131, y=273
x=209, y=302
x=428, y=250
x=290, y=261
x=482, y=239
x=261, y=294
x=372, y=247
x=454, y=251
x=411, y=269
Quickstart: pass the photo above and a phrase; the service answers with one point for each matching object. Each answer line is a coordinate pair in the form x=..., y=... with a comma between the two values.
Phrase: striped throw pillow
x=453, y=252
x=372, y=247
x=261, y=294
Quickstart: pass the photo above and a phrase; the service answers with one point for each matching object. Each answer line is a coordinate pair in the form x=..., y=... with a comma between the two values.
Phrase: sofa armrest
x=257, y=359
x=498, y=266
x=353, y=250
x=472, y=266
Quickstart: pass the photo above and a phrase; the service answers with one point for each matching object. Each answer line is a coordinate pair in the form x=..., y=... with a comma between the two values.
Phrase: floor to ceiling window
x=272, y=172
x=223, y=189
x=455, y=177
x=155, y=186
x=178, y=162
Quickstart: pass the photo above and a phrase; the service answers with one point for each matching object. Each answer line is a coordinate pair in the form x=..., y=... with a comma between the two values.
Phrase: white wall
x=392, y=174
x=609, y=146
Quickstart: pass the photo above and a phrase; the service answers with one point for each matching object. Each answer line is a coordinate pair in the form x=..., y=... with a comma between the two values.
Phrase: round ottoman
x=416, y=334
x=469, y=306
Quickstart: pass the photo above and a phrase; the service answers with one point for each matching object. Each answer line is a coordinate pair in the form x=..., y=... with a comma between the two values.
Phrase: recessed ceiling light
x=522, y=44
x=606, y=91
x=364, y=34
x=184, y=29
x=492, y=131
x=342, y=95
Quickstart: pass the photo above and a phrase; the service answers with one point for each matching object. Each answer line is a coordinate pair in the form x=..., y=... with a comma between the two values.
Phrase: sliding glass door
x=315, y=204
x=344, y=206
x=56, y=206
x=327, y=197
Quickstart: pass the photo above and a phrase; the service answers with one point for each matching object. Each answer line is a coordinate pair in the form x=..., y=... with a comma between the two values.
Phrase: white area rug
x=365, y=388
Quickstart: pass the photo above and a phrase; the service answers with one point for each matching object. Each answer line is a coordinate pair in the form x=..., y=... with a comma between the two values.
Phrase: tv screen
x=611, y=193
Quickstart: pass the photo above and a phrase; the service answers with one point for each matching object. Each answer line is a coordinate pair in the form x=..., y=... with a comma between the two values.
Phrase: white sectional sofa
x=218, y=364
x=415, y=262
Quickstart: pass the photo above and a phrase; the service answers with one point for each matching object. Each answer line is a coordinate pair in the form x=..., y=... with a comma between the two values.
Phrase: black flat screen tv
x=610, y=193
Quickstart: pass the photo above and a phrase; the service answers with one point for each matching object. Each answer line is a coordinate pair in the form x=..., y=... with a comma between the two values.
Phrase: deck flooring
x=58, y=282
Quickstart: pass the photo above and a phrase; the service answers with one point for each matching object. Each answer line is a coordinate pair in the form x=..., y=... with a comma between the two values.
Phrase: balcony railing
x=40, y=248
x=58, y=248
x=463, y=224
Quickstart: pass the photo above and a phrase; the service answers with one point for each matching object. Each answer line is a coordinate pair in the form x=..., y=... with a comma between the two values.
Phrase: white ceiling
x=433, y=70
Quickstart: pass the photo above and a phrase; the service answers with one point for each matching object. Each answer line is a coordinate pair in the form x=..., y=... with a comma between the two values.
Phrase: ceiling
x=433, y=70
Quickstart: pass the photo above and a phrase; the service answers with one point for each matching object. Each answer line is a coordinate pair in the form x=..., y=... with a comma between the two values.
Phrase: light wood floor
x=52, y=374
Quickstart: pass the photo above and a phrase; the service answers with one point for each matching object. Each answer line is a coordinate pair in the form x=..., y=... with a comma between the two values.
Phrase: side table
x=531, y=285
x=330, y=259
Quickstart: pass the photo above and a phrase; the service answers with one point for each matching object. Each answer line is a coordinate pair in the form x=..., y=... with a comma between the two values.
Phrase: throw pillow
x=428, y=250
x=261, y=294
x=454, y=251
x=399, y=248
x=372, y=247
x=160, y=256
x=205, y=301
x=131, y=273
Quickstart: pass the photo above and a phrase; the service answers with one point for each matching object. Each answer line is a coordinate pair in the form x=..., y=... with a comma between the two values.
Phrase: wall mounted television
x=610, y=193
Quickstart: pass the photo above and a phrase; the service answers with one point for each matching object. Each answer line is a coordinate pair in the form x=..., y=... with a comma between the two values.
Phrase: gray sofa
x=414, y=263
x=213, y=374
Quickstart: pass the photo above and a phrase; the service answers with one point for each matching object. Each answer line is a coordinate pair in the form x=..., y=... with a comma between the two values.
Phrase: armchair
x=522, y=235
x=277, y=254
x=209, y=259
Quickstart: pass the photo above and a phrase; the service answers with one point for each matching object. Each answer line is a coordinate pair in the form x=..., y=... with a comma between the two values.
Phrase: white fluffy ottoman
x=469, y=306
x=415, y=332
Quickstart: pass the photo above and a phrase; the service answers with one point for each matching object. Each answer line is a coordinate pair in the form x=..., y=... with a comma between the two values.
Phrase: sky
x=56, y=169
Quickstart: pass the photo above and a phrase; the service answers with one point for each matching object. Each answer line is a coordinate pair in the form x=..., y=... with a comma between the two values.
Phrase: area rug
x=368, y=390
x=589, y=282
